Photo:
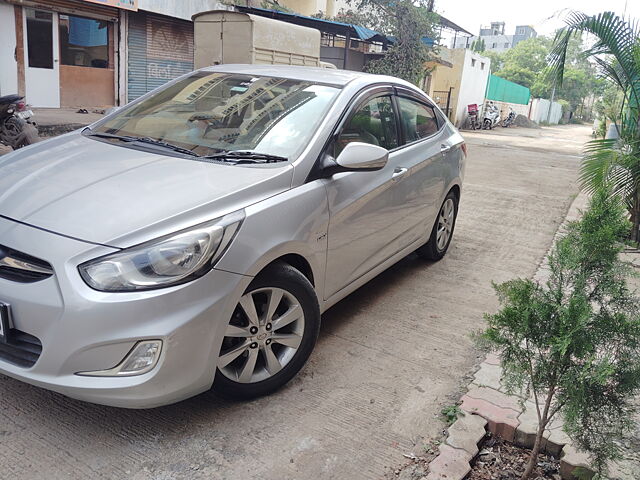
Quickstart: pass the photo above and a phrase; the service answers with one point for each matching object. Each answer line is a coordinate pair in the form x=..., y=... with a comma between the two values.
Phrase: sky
x=544, y=15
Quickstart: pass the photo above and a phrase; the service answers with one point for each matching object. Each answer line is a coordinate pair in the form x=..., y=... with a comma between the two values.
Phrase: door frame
x=52, y=90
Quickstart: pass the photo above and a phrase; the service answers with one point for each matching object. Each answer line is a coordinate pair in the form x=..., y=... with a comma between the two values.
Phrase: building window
x=494, y=45
x=482, y=66
x=473, y=62
x=39, y=39
x=84, y=42
x=506, y=45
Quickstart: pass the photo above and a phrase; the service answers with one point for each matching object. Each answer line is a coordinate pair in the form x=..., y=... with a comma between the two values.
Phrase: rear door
x=423, y=151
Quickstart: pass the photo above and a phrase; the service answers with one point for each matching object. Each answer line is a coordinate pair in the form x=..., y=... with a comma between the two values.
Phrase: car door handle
x=398, y=172
x=444, y=148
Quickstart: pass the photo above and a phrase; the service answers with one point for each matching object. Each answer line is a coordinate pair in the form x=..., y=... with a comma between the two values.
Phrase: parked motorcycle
x=16, y=127
x=473, y=123
x=491, y=116
x=510, y=120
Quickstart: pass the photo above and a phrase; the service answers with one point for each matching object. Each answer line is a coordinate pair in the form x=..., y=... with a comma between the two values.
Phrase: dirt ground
x=389, y=357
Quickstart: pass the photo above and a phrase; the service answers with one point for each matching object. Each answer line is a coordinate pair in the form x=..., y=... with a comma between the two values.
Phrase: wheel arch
x=455, y=188
x=298, y=262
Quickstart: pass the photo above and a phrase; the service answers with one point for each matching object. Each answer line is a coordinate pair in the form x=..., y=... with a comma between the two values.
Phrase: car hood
x=117, y=196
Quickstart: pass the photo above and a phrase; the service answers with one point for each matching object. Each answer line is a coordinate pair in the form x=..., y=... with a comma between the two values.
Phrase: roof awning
x=446, y=23
x=329, y=26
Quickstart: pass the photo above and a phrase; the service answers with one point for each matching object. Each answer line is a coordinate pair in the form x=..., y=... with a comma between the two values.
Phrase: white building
x=495, y=40
x=458, y=79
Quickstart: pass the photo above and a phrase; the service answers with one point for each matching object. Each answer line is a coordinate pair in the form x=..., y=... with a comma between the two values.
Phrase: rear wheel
x=29, y=135
x=270, y=334
x=442, y=231
x=17, y=133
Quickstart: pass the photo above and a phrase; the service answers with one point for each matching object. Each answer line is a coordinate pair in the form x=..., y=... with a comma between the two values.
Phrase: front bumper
x=84, y=330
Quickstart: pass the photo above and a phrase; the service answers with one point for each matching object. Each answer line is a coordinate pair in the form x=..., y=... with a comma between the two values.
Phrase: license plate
x=26, y=114
x=5, y=315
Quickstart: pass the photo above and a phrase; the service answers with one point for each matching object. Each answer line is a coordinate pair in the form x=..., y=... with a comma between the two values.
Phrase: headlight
x=170, y=260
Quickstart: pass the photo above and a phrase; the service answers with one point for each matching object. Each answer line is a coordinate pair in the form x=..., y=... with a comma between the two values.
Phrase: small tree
x=574, y=342
x=409, y=22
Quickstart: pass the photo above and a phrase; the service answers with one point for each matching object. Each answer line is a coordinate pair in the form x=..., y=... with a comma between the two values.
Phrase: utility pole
x=553, y=95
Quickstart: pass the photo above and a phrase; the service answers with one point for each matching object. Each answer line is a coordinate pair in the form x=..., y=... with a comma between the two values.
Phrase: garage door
x=159, y=49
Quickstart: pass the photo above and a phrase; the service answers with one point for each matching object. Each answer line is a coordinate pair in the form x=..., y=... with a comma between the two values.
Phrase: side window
x=374, y=123
x=418, y=120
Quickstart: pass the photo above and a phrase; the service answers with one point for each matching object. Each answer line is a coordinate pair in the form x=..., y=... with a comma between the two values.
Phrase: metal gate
x=442, y=98
x=159, y=49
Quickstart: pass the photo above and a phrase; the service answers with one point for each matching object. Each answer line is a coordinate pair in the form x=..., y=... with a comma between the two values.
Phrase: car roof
x=329, y=76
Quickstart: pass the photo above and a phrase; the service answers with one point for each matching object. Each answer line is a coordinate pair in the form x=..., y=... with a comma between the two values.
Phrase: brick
x=571, y=460
x=492, y=359
x=526, y=431
x=553, y=438
x=466, y=433
x=501, y=421
x=494, y=396
x=488, y=376
x=451, y=464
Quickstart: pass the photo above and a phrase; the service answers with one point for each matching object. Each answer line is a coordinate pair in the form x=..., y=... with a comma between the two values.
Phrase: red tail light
x=20, y=106
x=464, y=148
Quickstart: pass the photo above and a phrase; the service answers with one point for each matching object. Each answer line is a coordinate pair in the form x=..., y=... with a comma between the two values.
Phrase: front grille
x=20, y=267
x=21, y=349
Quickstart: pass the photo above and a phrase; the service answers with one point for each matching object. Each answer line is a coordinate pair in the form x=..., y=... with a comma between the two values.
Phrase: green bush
x=574, y=342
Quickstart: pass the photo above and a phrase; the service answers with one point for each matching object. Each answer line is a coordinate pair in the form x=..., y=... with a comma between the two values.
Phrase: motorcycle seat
x=7, y=99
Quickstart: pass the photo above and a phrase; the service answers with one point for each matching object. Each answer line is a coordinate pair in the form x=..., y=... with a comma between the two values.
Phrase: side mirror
x=358, y=156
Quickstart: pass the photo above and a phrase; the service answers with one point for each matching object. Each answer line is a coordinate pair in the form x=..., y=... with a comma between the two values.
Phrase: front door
x=41, y=65
x=369, y=220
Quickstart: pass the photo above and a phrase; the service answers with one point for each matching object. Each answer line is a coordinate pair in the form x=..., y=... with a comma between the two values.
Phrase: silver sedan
x=194, y=237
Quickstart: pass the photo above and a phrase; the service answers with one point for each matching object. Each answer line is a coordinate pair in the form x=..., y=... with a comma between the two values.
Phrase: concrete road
x=389, y=357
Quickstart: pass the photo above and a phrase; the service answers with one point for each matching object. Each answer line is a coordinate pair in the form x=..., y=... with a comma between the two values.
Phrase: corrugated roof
x=356, y=31
x=446, y=23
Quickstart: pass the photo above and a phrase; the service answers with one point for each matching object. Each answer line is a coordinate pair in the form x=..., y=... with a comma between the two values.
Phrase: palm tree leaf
x=616, y=37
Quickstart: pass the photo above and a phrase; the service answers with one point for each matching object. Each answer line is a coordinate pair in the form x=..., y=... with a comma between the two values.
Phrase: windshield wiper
x=232, y=156
x=147, y=140
x=239, y=157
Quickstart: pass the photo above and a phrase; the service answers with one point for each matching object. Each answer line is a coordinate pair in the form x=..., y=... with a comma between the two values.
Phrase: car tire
x=436, y=248
x=296, y=291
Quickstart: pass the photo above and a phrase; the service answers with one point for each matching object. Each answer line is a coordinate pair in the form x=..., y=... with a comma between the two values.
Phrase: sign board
x=124, y=4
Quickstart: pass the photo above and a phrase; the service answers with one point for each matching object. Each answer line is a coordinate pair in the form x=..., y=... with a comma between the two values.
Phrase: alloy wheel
x=446, y=219
x=263, y=335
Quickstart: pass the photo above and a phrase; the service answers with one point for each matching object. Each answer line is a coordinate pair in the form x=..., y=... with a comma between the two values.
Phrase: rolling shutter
x=159, y=49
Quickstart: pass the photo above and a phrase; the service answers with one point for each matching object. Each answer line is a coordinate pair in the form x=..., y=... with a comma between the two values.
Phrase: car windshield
x=208, y=113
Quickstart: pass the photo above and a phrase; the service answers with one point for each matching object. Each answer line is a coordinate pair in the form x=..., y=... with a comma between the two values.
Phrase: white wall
x=505, y=107
x=181, y=8
x=540, y=111
x=8, y=65
x=473, y=84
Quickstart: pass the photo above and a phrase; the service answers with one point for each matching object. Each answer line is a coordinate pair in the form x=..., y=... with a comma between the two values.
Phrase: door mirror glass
x=362, y=156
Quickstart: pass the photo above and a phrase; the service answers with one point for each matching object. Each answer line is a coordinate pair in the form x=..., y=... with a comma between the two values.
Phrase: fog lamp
x=141, y=359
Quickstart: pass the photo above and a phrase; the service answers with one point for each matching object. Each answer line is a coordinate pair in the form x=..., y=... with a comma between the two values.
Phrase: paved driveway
x=389, y=356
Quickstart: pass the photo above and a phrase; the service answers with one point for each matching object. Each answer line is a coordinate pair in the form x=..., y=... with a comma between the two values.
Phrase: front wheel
x=487, y=124
x=442, y=232
x=270, y=335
